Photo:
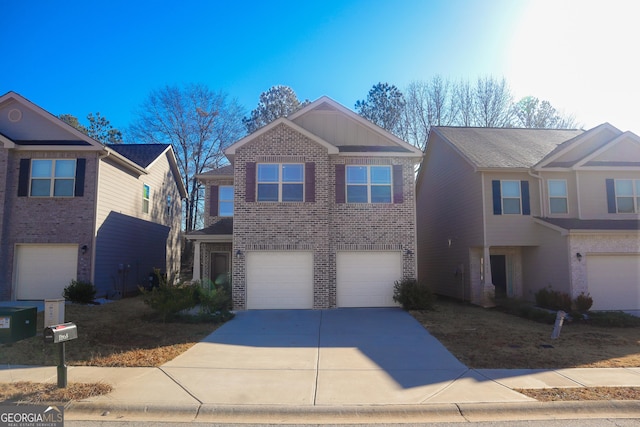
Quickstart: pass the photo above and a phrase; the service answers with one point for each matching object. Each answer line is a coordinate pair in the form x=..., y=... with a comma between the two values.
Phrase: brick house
x=73, y=208
x=511, y=211
x=316, y=210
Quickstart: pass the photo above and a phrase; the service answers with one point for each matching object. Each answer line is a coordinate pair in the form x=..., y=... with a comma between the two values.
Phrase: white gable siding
x=338, y=129
x=32, y=126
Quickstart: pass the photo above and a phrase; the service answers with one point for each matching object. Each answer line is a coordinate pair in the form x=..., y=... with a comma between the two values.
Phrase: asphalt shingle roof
x=141, y=154
x=594, y=224
x=223, y=171
x=505, y=147
x=223, y=226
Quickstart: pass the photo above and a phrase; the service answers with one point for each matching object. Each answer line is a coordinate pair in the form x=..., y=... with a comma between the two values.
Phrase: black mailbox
x=60, y=333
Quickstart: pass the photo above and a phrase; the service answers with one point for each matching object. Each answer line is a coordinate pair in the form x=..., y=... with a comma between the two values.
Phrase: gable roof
x=23, y=132
x=141, y=154
x=393, y=144
x=224, y=171
x=488, y=148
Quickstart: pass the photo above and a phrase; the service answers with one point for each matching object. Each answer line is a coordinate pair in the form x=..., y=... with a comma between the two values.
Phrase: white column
x=196, y=262
x=488, y=289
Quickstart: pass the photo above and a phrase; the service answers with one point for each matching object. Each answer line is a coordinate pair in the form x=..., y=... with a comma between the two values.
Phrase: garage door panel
x=43, y=271
x=279, y=280
x=365, y=279
x=614, y=281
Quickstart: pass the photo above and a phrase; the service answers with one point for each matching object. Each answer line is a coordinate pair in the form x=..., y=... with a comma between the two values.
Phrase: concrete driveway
x=328, y=357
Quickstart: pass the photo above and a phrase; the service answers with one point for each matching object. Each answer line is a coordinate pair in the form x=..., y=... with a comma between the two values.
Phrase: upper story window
x=368, y=184
x=280, y=182
x=146, y=194
x=511, y=197
x=225, y=200
x=627, y=195
x=52, y=178
x=558, y=203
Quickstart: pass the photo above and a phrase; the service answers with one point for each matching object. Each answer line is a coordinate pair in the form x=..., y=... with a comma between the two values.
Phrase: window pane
x=511, y=206
x=292, y=192
x=625, y=204
x=558, y=188
x=624, y=187
x=267, y=192
x=145, y=191
x=380, y=175
x=356, y=174
x=40, y=187
x=63, y=187
x=357, y=194
x=558, y=205
x=226, y=209
x=41, y=168
x=225, y=193
x=65, y=168
x=380, y=194
x=292, y=173
x=268, y=173
x=510, y=189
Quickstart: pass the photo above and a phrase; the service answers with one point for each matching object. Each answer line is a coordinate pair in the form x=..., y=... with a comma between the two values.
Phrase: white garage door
x=365, y=279
x=43, y=271
x=278, y=280
x=614, y=281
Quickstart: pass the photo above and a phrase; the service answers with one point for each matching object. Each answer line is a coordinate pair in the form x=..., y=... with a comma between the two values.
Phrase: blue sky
x=78, y=57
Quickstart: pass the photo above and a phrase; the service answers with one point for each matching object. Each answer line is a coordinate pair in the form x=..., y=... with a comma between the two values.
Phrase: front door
x=499, y=274
x=219, y=268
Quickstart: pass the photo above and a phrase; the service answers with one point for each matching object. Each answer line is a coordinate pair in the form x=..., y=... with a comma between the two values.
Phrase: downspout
x=99, y=159
x=541, y=188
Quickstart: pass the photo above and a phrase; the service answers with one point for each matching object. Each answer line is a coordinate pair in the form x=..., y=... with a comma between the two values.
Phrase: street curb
x=445, y=412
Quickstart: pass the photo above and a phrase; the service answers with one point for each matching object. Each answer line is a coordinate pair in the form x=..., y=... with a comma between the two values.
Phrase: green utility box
x=17, y=323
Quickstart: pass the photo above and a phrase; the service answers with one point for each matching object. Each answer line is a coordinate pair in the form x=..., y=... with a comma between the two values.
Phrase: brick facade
x=322, y=226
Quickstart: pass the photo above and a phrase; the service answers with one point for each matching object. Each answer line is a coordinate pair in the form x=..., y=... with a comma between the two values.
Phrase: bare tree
x=278, y=101
x=492, y=103
x=199, y=123
x=533, y=113
x=464, y=101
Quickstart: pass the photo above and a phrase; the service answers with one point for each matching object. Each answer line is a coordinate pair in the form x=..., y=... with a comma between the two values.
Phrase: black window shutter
x=23, y=177
x=497, y=198
x=250, y=183
x=611, y=195
x=524, y=190
x=398, y=187
x=213, y=201
x=310, y=182
x=81, y=166
x=340, y=180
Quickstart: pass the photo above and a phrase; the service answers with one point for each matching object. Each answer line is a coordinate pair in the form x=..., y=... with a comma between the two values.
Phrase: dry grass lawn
x=489, y=339
x=125, y=333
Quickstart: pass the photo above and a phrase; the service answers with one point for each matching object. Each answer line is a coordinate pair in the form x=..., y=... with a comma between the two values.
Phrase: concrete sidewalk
x=331, y=365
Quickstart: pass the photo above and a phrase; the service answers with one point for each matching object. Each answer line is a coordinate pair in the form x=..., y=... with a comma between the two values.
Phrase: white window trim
x=146, y=208
x=52, y=178
x=566, y=197
x=220, y=200
x=502, y=197
x=280, y=183
x=369, y=184
x=634, y=196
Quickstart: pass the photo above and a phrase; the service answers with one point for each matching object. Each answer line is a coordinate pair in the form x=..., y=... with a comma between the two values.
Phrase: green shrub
x=80, y=292
x=553, y=300
x=617, y=319
x=526, y=310
x=168, y=300
x=583, y=303
x=214, y=297
x=413, y=295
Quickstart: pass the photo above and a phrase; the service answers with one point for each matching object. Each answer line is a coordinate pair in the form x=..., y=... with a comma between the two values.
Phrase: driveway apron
x=331, y=357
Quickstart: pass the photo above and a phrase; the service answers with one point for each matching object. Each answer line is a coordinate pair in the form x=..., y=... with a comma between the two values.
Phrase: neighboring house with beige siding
x=510, y=211
x=316, y=210
x=76, y=209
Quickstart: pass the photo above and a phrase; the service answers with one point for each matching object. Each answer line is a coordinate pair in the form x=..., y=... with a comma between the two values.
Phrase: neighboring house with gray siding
x=73, y=208
x=316, y=210
x=511, y=211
